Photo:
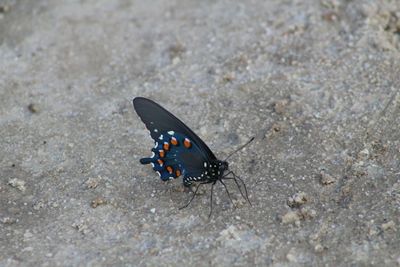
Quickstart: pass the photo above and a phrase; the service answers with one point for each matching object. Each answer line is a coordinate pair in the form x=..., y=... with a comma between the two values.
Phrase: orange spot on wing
x=166, y=146
x=174, y=141
x=160, y=162
x=178, y=173
x=161, y=153
x=187, y=143
x=169, y=169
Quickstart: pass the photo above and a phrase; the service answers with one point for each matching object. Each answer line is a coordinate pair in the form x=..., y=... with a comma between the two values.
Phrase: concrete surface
x=317, y=83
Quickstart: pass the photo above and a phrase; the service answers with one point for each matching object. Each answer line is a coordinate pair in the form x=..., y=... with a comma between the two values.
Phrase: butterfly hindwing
x=173, y=155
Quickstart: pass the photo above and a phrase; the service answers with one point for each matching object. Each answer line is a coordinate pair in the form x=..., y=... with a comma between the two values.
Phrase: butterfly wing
x=158, y=120
x=178, y=150
x=174, y=155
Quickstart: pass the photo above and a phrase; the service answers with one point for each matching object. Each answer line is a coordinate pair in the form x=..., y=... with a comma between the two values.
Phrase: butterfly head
x=223, y=166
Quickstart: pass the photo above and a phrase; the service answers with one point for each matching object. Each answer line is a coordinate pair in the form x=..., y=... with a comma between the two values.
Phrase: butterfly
x=178, y=151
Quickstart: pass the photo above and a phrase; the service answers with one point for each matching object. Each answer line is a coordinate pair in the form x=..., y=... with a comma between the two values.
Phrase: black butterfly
x=179, y=151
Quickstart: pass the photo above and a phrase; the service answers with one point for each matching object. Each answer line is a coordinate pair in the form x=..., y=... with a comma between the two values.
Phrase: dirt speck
x=390, y=225
x=98, y=201
x=33, y=108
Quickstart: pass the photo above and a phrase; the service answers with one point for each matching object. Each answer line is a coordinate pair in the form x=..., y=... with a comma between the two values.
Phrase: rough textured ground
x=317, y=83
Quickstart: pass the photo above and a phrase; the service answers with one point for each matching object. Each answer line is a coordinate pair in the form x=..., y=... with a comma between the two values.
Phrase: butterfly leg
x=237, y=184
x=194, y=194
x=244, y=185
x=235, y=178
x=211, y=200
x=229, y=195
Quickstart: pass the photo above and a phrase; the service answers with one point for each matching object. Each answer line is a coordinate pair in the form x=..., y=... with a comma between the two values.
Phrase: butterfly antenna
x=239, y=148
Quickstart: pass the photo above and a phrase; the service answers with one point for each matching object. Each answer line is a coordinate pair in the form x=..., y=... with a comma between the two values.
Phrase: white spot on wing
x=152, y=155
x=156, y=145
x=152, y=164
x=159, y=174
x=161, y=137
x=205, y=164
x=171, y=132
x=155, y=130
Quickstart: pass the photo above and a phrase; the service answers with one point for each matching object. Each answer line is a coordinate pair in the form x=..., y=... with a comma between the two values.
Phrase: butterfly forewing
x=160, y=121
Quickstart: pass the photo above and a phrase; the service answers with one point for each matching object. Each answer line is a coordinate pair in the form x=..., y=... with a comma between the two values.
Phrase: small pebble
x=92, y=183
x=98, y=201
x=326, y=179
x=297, y=199
x=17, y=183
x=389, y=226
x=8, y=220
x=291, y=217
x=318, y=248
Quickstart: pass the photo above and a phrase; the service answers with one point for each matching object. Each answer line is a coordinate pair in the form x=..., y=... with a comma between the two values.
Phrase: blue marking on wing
x=178, y=158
